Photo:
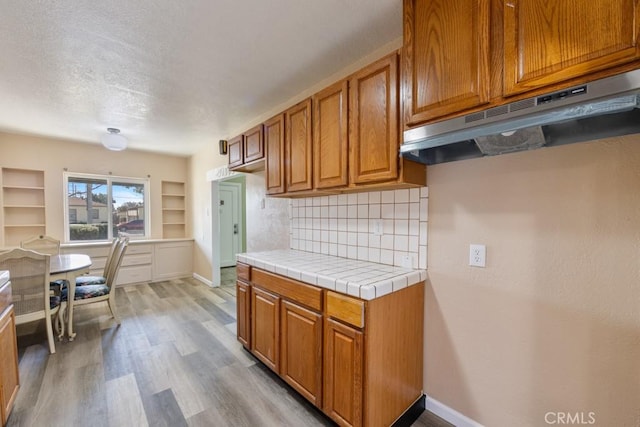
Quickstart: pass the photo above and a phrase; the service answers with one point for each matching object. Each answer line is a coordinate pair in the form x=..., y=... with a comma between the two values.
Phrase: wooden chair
x=42, y=244
x=30, y=291
x=45, y=245
x=88, y=294
x=99, y=280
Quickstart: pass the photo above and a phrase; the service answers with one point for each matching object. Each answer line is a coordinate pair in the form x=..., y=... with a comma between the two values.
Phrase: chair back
x=43, y=244
x=118, y=255
x=112, y=250
x=29, y=274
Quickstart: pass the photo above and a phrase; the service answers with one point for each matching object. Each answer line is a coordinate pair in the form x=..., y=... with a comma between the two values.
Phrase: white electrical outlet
x=377, y=227
x=406, y=261
x=477, y=255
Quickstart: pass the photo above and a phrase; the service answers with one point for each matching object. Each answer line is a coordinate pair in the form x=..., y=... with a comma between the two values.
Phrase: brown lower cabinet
x=359, y=361
x=342, y=366
x=265, y=327
x=9, y=377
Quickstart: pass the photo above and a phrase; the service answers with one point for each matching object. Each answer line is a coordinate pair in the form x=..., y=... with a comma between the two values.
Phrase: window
x=100, y=207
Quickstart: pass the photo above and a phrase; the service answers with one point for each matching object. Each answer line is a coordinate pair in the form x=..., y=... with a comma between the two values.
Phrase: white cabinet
x=144, y=261
x=136, y=265
x=172, y=260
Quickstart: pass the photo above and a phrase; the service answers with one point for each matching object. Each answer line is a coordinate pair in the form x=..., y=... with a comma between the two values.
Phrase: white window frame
x=110, y=179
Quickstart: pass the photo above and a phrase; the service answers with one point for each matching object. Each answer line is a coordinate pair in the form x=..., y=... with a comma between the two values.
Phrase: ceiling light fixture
x=113, y=140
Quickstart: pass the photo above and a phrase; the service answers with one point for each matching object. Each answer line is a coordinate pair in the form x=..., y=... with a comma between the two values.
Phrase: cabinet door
x=274, y=147
x=234, y=148
x=343, y=360
x=301, y=350
x=253, y=144
x=265, y=327
x=298, y=147
x=243, y=305
x=373, y=127
x=547, y=42
x=446, y=57
x=9, y=380
x=330, y=136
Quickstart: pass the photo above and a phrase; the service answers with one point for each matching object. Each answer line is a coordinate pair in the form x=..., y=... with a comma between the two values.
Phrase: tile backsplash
x=388, y=227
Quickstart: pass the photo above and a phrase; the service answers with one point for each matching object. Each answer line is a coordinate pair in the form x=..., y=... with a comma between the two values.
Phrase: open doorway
x=228, y=223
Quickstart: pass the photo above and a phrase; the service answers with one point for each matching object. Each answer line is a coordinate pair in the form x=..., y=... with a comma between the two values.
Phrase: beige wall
x=54, y=155
x=200, y=192
x=553, y=322
x=268, y=227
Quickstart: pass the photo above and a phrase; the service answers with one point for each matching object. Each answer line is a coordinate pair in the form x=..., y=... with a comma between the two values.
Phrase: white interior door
x=229, y=223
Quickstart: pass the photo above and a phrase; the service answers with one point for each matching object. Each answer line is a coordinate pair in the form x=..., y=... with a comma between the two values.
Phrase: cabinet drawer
x=139, y=249
x=93, y=252
x=302, y=293
x=344, y=308
x=243, y=271
x=137, y=259
x=134, y=274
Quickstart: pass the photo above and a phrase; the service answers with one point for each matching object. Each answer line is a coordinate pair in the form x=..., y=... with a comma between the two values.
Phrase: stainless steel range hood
x=600, y=109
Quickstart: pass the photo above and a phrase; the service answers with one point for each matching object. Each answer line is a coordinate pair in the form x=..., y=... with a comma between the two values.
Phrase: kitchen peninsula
x=346, y=334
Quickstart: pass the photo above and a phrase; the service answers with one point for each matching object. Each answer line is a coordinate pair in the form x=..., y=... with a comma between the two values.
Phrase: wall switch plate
x=477, y=255
x=263, y=202
x=377, y=227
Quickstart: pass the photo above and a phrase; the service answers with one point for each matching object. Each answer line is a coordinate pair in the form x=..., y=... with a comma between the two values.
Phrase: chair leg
x=60, y=322
x=52, y=343
x=114, y=312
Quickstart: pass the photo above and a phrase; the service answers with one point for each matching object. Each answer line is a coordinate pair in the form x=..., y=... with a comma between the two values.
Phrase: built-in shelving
x=173, y=210
x=23, y=205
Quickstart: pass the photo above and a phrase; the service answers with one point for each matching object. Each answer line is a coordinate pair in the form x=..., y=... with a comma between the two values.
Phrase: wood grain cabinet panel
x=9, y=375
x=373, y=129
x=265, y=327
x=358, y=361
x=343, y=356
x=243, y=315
x=274, y=132
x=446, y=57
x=301, y=350
x=547, y=42
x=253, y=144
x=298, y=147
x=235, y=151
x=330, y=136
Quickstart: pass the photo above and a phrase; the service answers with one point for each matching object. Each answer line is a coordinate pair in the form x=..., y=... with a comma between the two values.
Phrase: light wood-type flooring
x=174, y=361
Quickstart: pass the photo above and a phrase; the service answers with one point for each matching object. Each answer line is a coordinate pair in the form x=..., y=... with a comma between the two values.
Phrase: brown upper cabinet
x=330, y=136
x=465, y=55
x=253, y=144
x=298, y=147
x=350, y=142
x=235, y=151
x=274, y=131
x=547, y=42
x=446, y=54
x=373, y=126
x=246, y=151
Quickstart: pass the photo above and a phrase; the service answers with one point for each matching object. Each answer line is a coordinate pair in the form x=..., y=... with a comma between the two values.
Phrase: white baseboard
x=450, y=415
x=203, y=280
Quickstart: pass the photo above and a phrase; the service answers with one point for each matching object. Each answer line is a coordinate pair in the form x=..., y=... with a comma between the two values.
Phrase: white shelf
x=23, y=200
x=173, y=209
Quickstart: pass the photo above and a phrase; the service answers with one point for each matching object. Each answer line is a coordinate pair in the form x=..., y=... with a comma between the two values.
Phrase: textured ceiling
x=173, y=75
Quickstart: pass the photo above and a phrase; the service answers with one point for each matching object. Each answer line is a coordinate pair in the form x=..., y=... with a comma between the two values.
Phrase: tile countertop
x=362, y=279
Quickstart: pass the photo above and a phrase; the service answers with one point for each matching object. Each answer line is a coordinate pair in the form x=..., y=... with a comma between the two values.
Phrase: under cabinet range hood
x=600, y=109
